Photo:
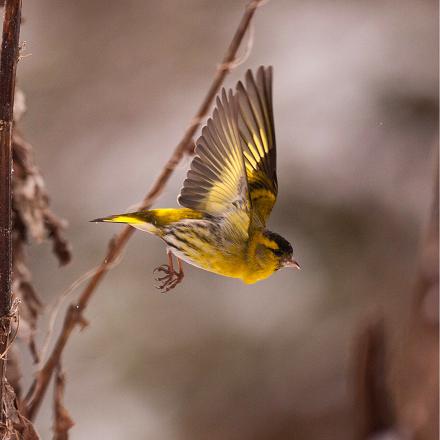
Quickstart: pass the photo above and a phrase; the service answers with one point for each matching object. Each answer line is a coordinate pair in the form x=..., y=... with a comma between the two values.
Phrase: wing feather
x=257, y=133
x=217, y=182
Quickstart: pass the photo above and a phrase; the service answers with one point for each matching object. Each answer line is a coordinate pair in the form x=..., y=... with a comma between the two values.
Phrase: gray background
x=111, y=86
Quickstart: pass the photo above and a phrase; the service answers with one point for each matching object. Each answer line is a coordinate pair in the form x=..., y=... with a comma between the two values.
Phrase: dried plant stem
x=396, y=384
x=73, y=315
x=62, y=420
x=8, y=67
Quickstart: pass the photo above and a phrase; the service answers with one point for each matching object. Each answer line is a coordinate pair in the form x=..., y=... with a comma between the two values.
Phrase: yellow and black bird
x=227, y=196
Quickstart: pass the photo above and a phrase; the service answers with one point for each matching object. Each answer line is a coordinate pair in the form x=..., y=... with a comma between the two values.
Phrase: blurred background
x=111, y=87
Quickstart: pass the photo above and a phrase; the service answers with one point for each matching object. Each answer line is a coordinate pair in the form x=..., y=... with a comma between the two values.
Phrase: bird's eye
x=278, y=252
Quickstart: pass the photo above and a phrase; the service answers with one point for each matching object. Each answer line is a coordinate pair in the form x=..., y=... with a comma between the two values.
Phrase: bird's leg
x=179, y=262
x=171, y=278
x=177, y=277
x=166, y=268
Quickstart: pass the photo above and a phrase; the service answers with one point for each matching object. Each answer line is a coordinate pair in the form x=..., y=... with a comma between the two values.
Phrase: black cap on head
x=285, y=248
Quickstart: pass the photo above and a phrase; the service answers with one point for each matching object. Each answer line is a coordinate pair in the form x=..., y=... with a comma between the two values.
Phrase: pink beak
x=292, y=263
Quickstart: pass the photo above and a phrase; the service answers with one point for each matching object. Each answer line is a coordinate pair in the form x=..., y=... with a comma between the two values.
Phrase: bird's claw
x=163, y=268
x=170, y=280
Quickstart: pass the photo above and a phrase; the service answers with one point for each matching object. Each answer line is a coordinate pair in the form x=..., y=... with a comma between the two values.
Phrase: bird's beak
x=293, y=264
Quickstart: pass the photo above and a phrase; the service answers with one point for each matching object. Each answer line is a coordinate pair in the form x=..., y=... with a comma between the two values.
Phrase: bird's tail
x=152, y=220
x=144, y=220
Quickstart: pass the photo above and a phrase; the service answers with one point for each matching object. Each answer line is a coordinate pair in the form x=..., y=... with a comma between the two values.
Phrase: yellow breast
x=251, y=263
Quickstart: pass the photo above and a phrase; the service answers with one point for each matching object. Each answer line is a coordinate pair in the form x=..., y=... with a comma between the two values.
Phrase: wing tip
x=264, y=71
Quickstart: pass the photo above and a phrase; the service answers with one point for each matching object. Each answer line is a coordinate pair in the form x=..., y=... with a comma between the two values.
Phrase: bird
x=227, y=196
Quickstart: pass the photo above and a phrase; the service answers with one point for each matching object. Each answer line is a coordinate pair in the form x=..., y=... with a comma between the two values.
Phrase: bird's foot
x=169, y=280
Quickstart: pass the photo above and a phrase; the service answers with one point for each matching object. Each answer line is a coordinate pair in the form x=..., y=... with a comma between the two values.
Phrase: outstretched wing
x=257, y=132
x=216, y=182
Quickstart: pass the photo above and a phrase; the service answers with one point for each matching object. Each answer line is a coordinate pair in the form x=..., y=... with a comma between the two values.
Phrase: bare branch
x=8, y=67
x=63, y=422
x=373, y=409
x=74, y=316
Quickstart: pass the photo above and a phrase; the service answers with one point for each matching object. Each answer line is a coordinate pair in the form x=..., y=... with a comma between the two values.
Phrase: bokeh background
x=111, y=86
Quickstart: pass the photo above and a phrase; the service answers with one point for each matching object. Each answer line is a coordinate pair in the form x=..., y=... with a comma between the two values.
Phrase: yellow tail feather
x=120, y=218
x=152, y=220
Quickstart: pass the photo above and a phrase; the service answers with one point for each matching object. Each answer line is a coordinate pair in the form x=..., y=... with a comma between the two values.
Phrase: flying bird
x=227, y=196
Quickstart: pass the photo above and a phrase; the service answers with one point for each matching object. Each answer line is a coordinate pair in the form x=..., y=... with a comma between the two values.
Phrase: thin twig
x=8, y=68
x=74, y=313
x=62, y=420
x=54, y=310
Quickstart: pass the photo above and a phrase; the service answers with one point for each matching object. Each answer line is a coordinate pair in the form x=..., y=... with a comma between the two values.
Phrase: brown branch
x=428, y=276
x=373, y=408
x=73, y=316
x=8, y=68
x=63, y=422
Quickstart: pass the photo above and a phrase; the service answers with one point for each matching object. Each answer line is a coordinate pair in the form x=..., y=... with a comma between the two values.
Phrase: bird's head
x=280, y=250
